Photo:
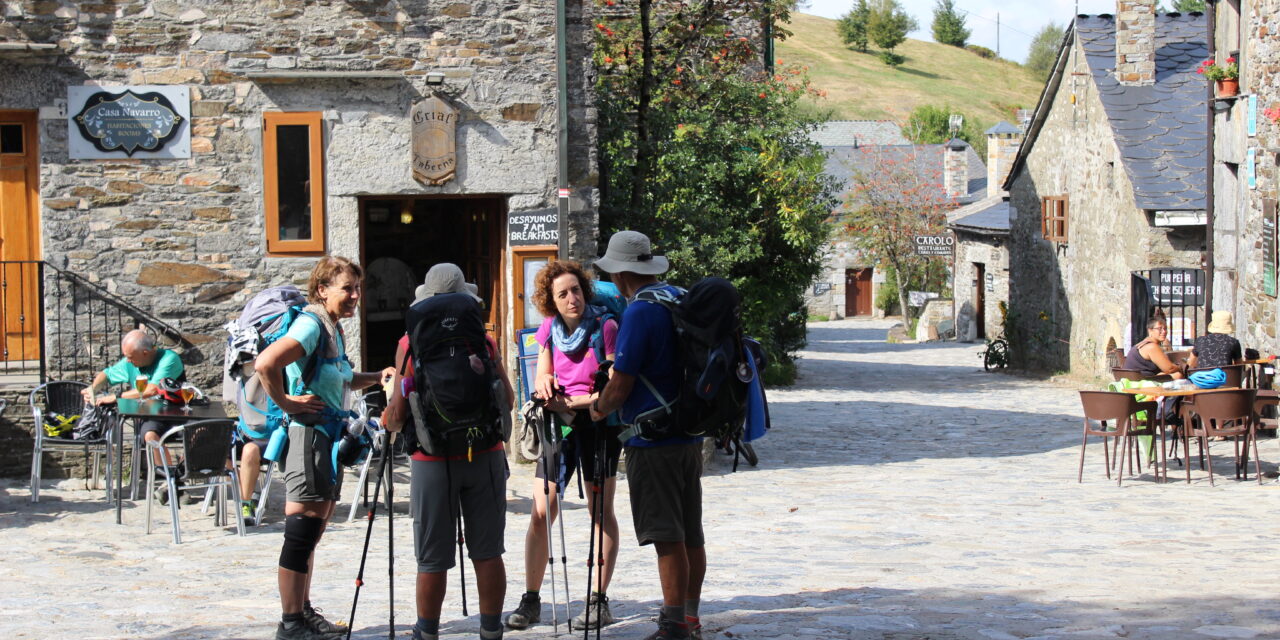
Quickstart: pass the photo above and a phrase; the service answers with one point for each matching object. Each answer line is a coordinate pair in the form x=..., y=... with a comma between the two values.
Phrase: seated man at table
x=1148, y=356
x=141, y=359
x=1217, y=348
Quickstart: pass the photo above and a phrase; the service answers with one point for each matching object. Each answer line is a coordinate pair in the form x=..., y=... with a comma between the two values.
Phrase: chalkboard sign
x=1269, y=247
x=534, y=227
x=821, y=288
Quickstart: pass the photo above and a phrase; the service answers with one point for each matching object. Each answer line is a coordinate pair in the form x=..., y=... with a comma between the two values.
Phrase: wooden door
x=483, y=265
x=857, y=292
x=19, y=236
x=980, y=298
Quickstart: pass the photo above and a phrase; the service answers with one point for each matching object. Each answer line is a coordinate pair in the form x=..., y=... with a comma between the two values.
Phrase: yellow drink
x=140, y=383
x=187, y=394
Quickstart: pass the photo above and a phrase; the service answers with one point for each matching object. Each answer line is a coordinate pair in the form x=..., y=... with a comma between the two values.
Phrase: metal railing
x=77, y=324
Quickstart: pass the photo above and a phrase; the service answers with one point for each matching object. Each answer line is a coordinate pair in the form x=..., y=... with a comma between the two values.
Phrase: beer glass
x=187, y=392
x=140, y=383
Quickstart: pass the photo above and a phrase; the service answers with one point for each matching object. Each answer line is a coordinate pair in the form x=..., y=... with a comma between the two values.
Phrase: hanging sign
x=147, y=121
x=435, y=155
x=1178, y=287
x=935, y=246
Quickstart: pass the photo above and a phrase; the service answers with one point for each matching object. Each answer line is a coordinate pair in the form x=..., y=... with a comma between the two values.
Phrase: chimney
x=1003, y=141
x=1136, y=42
x=955, y=168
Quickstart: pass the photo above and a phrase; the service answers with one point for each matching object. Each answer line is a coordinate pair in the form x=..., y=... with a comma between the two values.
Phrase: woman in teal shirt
x=318, y=414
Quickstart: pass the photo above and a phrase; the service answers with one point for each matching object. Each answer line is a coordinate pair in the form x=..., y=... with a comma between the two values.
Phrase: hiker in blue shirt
x=664, y=476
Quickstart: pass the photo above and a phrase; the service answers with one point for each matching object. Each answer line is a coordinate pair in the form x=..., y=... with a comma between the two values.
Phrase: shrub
x=981, y=51
x=892, y=59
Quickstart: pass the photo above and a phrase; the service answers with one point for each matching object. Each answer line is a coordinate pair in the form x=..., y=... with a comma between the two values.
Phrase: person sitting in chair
x=1216, y=348
x=1148, y=356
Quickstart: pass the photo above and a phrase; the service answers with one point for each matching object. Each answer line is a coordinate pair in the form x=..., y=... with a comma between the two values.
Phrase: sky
x=1019, y=20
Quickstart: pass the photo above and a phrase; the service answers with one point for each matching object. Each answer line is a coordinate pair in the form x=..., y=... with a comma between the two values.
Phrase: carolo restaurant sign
x=935, y=246
x=143, y=121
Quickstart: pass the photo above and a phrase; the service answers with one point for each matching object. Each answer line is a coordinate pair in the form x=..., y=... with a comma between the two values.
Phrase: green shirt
x=166, y=364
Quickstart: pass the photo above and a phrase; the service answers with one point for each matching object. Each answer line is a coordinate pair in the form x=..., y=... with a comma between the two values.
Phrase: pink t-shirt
x=574, y=372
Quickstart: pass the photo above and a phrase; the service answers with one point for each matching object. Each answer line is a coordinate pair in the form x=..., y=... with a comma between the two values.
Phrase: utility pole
x=562, y=132
x=997, y=34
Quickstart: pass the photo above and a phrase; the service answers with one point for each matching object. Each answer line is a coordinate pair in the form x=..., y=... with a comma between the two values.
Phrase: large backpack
x=265, y=319
x=711, y=362
x=455, y=401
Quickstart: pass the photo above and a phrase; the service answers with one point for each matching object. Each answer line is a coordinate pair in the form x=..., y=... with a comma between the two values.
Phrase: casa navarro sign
x=149, y=121
x=935, y=246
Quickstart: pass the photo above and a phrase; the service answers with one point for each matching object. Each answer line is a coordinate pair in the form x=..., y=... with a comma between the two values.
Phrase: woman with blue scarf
x=574, y=339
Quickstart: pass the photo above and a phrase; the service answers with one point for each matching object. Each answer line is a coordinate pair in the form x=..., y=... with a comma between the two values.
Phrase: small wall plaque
x=435, y=126
x=149, y=121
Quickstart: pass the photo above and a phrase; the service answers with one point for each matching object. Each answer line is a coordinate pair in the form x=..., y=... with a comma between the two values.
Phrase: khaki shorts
x=666, y=493
x=308, y=467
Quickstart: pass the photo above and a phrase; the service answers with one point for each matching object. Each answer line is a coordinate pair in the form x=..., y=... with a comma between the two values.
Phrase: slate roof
x=1003, y=128
x=925, y=161
x=988, y=216
x=1159, y=129
x=858, y=133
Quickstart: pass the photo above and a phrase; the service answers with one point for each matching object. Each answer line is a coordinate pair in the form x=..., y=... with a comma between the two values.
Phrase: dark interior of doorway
x=403, y=237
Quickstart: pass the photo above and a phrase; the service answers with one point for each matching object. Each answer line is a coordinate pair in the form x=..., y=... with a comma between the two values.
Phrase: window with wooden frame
x=293, y=182
x=1053, y=218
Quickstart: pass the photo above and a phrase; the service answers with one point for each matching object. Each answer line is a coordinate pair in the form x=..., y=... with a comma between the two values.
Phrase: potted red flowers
x=1226, y=75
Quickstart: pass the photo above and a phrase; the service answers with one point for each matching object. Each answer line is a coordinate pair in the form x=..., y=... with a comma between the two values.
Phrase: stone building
x=850, y=281
x=1108, y=185
x=1246, y=182
x=981, y=271
x=397, y=134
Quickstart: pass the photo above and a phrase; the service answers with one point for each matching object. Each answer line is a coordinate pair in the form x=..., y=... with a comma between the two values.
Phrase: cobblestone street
x=903, y=493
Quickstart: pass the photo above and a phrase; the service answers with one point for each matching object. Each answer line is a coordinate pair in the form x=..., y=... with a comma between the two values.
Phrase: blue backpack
x=266, y=318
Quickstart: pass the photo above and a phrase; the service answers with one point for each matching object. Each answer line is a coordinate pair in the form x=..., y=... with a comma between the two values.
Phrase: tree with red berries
x=703, y=148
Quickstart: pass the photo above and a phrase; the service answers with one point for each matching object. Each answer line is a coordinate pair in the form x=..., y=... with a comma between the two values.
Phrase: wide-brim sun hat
x=1223, y=322
x=630, y=252
x=445, y=277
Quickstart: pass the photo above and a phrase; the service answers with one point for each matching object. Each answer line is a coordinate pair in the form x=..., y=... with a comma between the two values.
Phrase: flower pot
x=1228, y=87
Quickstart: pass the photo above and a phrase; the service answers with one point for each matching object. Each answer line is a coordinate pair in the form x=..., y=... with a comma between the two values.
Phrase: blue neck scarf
x=571, y=343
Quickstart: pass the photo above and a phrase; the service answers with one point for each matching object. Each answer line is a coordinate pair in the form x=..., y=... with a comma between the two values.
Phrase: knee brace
x=301, y=533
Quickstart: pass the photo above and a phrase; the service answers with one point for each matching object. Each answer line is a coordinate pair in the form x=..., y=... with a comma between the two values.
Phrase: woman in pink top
x=574, y=339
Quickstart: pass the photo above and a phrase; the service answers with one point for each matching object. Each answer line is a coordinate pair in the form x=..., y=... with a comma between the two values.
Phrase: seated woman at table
x=1148, y=356
x=1217, y=348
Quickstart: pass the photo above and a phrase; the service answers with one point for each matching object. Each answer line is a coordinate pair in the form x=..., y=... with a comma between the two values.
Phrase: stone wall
x=992, y=253
x=1136, y=42
x=1238, y=255
x=184, y=239
x=1067, y=299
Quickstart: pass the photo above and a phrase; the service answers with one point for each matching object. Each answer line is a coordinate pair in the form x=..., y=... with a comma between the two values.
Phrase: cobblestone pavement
x=904, y=493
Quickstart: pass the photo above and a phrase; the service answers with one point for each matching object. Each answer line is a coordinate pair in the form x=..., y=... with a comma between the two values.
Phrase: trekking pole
x=564, y=559
x=596, y=560
x=388, y=458
x=547, y=452
x=368, y=534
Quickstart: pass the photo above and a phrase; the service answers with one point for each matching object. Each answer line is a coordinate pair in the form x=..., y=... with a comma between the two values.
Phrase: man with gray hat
x=664, y=475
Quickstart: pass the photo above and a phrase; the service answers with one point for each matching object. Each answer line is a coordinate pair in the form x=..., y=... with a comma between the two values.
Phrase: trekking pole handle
x=602, y=376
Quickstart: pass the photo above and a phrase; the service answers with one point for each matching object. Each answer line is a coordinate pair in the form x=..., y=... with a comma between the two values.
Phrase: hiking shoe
x=587, y=619
x=246, y=512
x=528, y=612
x=695, y=627
x=303, y=631
x=320, y=625
x=669, y=630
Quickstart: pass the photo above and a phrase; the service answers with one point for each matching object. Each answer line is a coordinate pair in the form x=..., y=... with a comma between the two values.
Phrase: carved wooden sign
x=435, y=126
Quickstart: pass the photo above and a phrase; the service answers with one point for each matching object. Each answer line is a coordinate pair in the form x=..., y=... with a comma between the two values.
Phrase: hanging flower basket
x=1228, y=88
x=1226, y=75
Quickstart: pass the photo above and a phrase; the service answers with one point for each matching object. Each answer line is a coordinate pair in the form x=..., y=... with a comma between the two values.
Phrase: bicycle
x=996, y=355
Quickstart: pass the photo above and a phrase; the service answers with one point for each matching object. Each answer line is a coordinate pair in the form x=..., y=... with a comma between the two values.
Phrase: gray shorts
x=666, y=493
x=437, y=491
x=308, y=467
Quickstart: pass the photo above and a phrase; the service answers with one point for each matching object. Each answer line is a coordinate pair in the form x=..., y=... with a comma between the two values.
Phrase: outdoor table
x=1157, y=391
x=1255, y=370
x=153, y=408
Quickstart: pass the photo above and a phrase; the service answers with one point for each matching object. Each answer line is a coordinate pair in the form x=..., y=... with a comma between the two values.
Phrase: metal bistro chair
x=60, y=401
x=204, y=453
x=1119, y=408
x=378, y=435
x=1227, y=414
x=264, y=476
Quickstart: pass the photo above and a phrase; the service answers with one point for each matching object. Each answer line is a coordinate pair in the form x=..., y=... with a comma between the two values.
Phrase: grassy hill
x=860, y=87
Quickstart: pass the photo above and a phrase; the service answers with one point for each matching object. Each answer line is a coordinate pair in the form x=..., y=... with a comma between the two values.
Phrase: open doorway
x=403, y=237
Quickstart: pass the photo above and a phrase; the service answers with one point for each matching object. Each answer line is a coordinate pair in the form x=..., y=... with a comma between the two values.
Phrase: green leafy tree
x=853, y=26
x=1187, y=6
x=1044, y=50
x=888, y=203
x=931, y=124
x=709, y=155
x=949, y=24
x=888, y=26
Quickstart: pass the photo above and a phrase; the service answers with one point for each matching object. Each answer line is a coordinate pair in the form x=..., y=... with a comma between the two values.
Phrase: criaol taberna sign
x=107, y=121
x=435, y=126
x=935, y=246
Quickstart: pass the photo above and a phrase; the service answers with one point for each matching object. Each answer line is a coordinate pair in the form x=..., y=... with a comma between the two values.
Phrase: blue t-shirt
x=332, y=379
x=647, y=347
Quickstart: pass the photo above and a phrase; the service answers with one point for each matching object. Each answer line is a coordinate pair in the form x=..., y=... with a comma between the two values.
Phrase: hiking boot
x=587, y=619
x=695, y=627
x=528, y=612
x=303, y=631
x=669, y=630
x=320, y=625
